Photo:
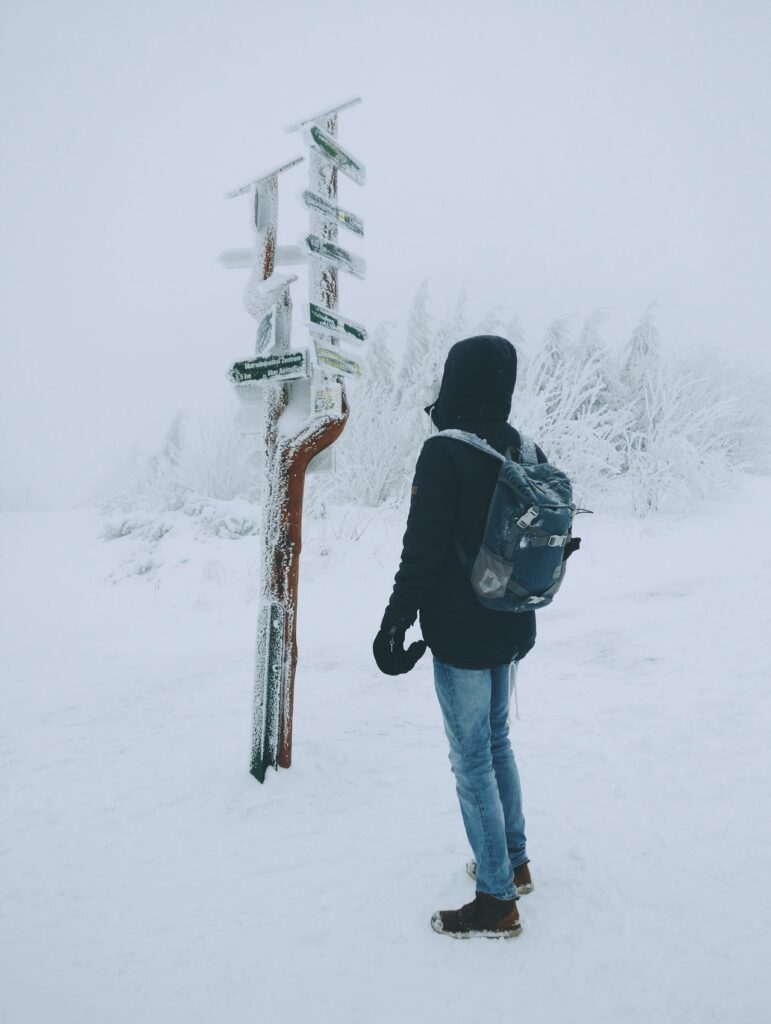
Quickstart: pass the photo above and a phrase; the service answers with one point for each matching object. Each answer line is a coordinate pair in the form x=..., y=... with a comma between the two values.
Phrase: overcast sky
x=558, y=156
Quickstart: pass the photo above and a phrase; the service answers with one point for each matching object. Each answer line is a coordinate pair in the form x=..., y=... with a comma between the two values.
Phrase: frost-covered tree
x=642, y=429
x=369, y=471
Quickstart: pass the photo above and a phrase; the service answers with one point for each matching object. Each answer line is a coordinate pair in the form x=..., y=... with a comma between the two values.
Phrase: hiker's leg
x=505, y=766
x=464, y=697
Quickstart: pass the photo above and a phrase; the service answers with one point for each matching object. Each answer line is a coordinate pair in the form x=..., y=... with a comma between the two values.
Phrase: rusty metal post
x=288, y=455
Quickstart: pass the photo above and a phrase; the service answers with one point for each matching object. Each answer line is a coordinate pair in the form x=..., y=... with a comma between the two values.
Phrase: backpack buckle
x=556, y=540
x=528, y=518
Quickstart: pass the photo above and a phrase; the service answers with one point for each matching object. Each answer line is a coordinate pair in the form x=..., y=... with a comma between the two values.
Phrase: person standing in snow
x=474, y=648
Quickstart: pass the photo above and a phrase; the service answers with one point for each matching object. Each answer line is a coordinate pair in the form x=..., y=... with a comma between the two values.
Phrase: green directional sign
x=331, y=149
x=332, y=358
x=333, y=213
x=335, y=256
x=277, y=366
x=336, y=324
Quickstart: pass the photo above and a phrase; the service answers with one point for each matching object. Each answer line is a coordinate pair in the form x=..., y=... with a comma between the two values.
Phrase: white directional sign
x=243, y=259
x=333, y=359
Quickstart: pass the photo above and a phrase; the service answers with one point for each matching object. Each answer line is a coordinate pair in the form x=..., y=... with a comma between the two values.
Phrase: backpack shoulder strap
x=528, y=450
x=473, y=440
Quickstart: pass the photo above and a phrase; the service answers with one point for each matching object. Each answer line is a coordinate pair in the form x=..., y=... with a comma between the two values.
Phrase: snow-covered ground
x=146, y=877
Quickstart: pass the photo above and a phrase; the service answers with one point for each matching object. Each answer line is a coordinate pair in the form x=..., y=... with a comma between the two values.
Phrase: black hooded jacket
x=451, y=495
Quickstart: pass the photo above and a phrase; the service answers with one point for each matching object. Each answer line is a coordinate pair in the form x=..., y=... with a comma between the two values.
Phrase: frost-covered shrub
x=566, y=400
x=642, y=429
x=368, y=471
x=202, y=457
x=693, y=423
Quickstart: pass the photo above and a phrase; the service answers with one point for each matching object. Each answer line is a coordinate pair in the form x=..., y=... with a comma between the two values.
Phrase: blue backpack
x=519, y=566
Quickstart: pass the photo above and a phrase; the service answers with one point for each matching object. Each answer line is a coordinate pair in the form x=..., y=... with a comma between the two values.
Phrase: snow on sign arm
x=304, y=410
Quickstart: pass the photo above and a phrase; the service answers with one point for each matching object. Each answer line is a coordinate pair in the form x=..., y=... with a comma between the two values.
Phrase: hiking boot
x=485, y=915
x=523, y=883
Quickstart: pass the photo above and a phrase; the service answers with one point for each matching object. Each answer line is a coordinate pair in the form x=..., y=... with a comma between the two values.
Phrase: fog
x=554, y=157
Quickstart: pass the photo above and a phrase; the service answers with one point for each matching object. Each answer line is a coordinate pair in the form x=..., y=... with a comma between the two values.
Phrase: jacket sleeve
x=430, y=530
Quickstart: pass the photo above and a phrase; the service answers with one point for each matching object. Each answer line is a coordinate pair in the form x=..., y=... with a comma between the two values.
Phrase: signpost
x=284, y=376
x=335, y=256
x=333, y=323
x=334, y=213
x=281, y=366
x=325, y=143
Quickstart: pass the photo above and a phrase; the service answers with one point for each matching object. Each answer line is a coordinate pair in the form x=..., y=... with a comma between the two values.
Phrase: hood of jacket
x=477, y=383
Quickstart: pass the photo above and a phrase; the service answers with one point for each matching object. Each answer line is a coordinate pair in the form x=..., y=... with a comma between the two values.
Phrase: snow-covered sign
x=258, y=298
x=333, y=359
x=269, y=302
x=243, y=259
x=333, y=323
x=331, y=150
x=278, y=366
x=333, y=213
x=335, y=256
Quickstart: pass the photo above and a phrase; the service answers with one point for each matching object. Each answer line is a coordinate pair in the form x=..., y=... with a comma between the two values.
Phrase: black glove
x=572, y=545
x=389, y=651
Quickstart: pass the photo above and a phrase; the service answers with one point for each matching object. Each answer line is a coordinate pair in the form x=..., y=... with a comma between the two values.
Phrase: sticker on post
x=278, y=366
x=334, y=360
x=333, y=323
x=327, y=398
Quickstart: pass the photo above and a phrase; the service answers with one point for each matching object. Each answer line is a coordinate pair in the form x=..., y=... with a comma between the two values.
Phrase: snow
x=146, y=876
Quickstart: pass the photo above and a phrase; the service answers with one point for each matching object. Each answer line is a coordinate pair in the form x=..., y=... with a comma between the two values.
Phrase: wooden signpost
x=286, y=377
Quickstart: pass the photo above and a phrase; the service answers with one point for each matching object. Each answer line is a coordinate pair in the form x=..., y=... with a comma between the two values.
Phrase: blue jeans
x=475, y=708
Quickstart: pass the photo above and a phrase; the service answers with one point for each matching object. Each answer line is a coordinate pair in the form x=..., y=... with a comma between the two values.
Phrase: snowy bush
x=202, y=457
x=642, y=429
